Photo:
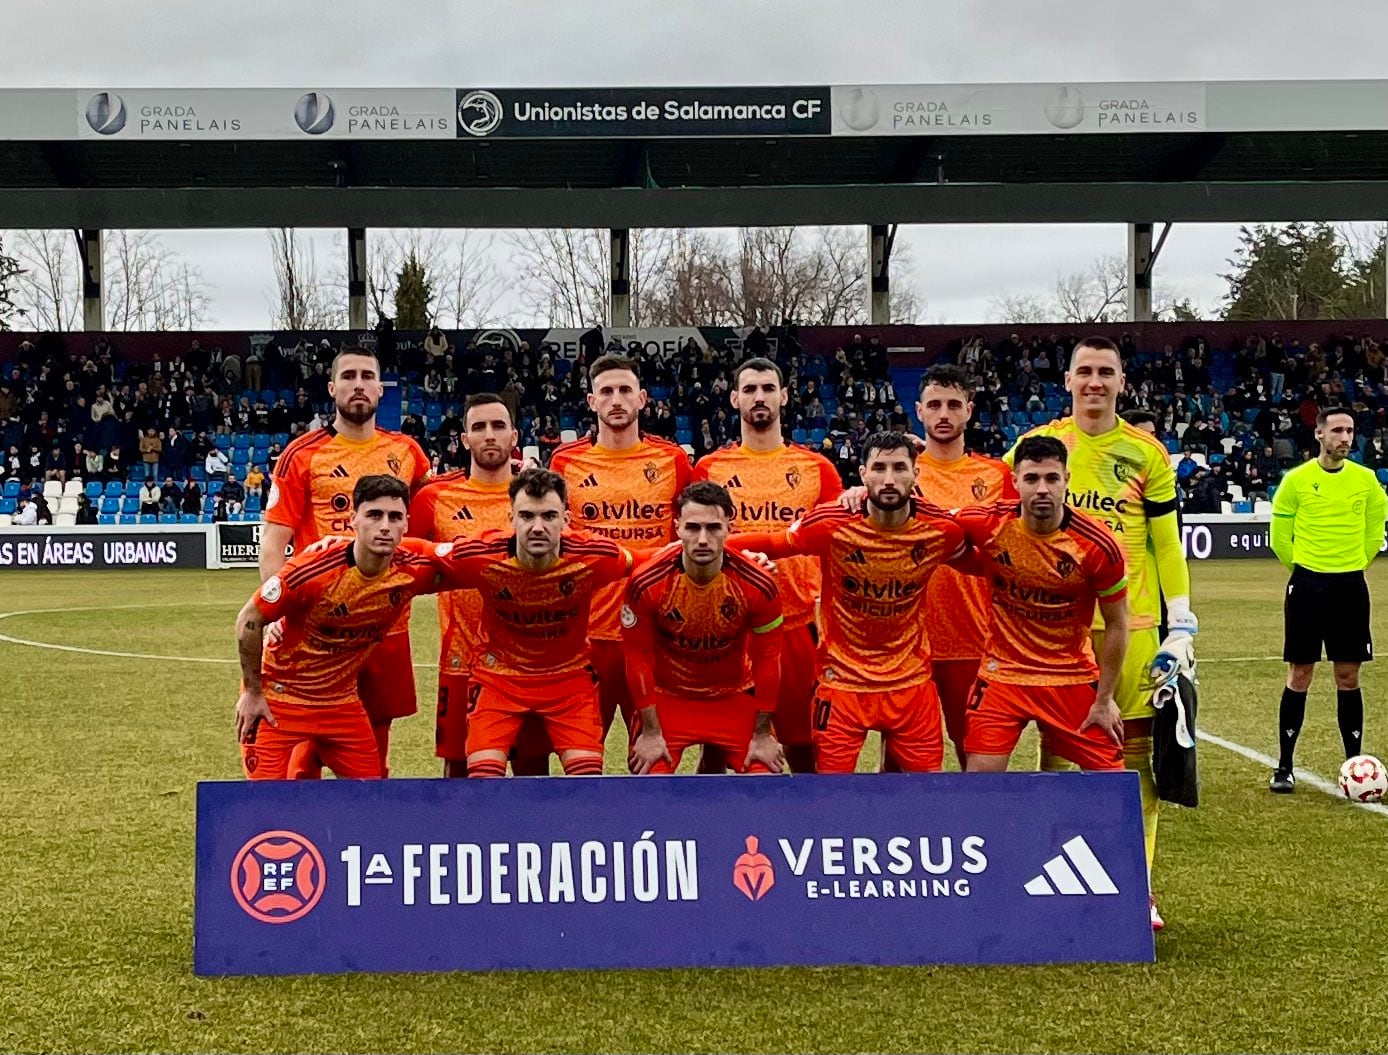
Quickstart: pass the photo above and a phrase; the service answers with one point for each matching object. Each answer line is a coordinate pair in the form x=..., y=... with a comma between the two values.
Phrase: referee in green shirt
x=1327, y=525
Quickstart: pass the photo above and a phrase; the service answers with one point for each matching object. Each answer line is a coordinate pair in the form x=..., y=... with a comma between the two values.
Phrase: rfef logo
x=753, y=873
x=277, y=877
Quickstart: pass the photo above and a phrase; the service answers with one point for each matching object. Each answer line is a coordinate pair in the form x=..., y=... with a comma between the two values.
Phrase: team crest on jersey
x=652, y=472
x=918, y=553
x=1124, y=469
x=793, y=478
x=979, y=488
x=566, y=587
x=396, y=596
x=394, y=463
x=728, y=610
x=1065, y=566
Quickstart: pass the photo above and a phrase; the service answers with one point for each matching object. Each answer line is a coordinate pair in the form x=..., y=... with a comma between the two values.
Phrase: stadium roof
x=644, y=157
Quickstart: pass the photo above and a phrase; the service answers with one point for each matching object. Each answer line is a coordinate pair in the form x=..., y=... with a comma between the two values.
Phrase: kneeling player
x=337, y=603
x=537, y=587
x=700, y=628
x=1048, y=565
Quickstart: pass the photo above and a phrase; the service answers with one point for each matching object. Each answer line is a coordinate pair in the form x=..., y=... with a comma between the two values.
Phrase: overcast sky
x=518, y=43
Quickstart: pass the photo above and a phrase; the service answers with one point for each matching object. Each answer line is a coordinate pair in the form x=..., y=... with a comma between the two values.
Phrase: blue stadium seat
x=1173, y=445
x=287, y=394
x=799, y=435
x=12, y=489
x=1244, y=506
x=222, y=441
x=188, y=518
x=130, y=505
x=148, y=518
x=115, y=489
x=281, y=438
x=110, y=505
x=240, y=441
x=1382, y=475
x=1215, y=459
x=93, y=489
x=214, y=487
x=260, y=440
x=561, y=368
x=682, y=423
x=8, y=505
x=209, y=505
x=188, y=435
x=128, y=519
x=253, y=503
x=196, y=472
x=240, y=456
x=106, y=519
x=817, y=436
x=132, y=488
x=684, y=436
x=267, y=396
x=660, y=393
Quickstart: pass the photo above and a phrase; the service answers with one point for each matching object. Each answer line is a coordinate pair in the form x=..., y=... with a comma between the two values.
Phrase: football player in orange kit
x=337, y=604
x=874, y=659
x=702, y=634
x=622, y=486
x=455, y=506
x=310, y=498
x=1047, y=565
x=772, y=485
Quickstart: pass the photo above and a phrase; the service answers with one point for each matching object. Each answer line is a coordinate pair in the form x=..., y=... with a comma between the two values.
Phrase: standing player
x=537, y=587
x=702, y=635
x=451, y=507
x=310, y=498
x=1046, y=566
x=1121, y=475
x=337, y=604
x=773, y=485
x=622, y=486
x=951, y=477
x=1327, y=527
x=874, y=660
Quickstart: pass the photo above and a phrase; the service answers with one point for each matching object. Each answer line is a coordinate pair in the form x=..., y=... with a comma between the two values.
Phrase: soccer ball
x=1363, y=779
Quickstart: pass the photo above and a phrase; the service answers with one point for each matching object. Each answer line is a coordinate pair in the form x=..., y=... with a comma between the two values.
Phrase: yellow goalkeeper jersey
x=1124, y=478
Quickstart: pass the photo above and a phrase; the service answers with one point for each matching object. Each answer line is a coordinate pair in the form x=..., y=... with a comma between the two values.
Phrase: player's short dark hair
x=1139, y=417
x=612, y=361
x=353, y=349
x=537, y=483
x=705, y=493
x=884, y=442
x=486, y=399
x=758, y=363
x=947, y=375
x=1102, y=344
x=1040, y=449
x=1329, y=412
x=378, y=486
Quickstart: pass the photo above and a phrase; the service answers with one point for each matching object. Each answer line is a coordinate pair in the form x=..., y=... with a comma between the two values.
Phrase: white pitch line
x=1303, y=776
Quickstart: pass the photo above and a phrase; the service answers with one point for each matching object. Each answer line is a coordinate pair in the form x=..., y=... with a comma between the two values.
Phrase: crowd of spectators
x=197, y=436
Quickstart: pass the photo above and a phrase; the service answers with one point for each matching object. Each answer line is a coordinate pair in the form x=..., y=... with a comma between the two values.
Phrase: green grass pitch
x=1277, y=936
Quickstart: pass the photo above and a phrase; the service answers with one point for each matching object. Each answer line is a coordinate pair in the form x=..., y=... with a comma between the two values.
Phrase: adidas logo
x=591, y=480
x=674, y=615
x=463, y=514
x=504, y=594
x=340, y=472
x=340, y=612
x=733, y=481
x=856, y=557
x=1092, y=878
x=1004, y=558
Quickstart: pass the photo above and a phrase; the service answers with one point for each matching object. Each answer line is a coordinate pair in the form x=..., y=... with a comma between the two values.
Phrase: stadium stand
x=81, y=432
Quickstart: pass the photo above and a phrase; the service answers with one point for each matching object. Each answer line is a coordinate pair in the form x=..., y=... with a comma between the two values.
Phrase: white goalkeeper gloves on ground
x=1176, y=655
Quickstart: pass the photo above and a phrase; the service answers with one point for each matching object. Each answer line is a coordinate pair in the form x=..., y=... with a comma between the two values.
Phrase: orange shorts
x=726, y=722
x=386, y=683
x=907, y=718
x=568, y=708
x=610, y=665
x=450, y=716
x=954, y=681
x=340, y=734
x=798, y=659
x=998, y=714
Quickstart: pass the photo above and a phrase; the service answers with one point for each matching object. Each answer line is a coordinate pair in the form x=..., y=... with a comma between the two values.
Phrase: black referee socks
x=1290, y=716
x=1350, y=712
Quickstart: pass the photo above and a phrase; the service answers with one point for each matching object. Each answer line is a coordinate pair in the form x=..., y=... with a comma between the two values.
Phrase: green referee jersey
x=1328, y=521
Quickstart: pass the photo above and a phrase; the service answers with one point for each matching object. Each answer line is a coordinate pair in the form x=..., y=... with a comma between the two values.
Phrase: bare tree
x=48, y=292
x=468, y=283
x=304, y=297
x=1096, y=294
x=1019, y=308
x=563, y=275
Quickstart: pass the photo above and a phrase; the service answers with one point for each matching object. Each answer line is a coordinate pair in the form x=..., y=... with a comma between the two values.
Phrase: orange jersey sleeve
x=1043, y=590
x=960, y=604
x=626, y=496
x=290, y=499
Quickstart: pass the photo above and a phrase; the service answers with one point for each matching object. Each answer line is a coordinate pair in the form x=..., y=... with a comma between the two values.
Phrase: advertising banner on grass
x=38, y=549
x=304, y=877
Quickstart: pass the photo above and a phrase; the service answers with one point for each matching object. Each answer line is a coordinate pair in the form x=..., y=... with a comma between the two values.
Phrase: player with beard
x=772, y=485
x=457, y=506
x=874, y=659
x=311, y=498
x=621, y=486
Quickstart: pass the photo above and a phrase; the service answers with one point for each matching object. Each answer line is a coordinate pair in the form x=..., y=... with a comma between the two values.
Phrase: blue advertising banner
x=541, y=874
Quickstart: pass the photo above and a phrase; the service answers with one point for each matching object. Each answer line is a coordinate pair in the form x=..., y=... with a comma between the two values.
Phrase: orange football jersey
x=874, y=590
x=334, y=616
x=773, y=489
x=627, y=496
x=960, y=602
x=695, y=635
x=1043, y=589
x=451, y=508
x=535, y=623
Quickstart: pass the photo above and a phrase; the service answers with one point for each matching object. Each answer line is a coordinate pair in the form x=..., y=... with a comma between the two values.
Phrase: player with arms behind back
x=621, y=486
x=337, y=603
x=772, y=485
x=1121, y=475
x=311, y=498
x=457, y=506
x=702, y=635
x=874, y=660
x=1046, y=566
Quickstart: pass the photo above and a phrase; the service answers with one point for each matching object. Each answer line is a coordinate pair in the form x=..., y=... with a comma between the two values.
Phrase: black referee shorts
x=1330, y=609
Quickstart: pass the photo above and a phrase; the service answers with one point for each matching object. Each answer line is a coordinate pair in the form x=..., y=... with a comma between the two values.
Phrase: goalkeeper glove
x=1176, y=654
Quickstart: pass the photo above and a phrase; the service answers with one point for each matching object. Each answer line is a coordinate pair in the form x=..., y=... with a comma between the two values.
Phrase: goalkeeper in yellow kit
x=1122, y=475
